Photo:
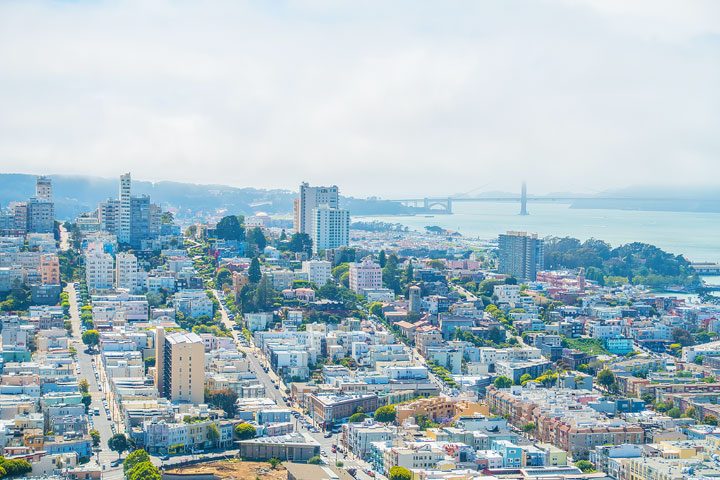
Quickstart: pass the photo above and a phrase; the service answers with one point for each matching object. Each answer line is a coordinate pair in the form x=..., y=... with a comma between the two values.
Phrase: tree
x=301, y=243
x=400, y=473
x=674, y=412
x=385, y=414
x=230, y=228
x=502, y=382
x=144, y=471
x=254, y=273
x=274, y=462
x=83, y=385
x=91, y=338
x=690, y=412
x=213, y=434
x=223, y=277
x=585, y=466
x=257, y=237
x=15, y=467
x=118, y=443
x=245, y=431
x=682, y=336
x=376, y=308
x=138, y=456
x=357, y=417
x=224, y=399
x=95, y=436
x=526, y=377
x=382, y=259
x=391, y=274
x=529, y=427
x=606, y=378
x=316, y=460
x=710, y=420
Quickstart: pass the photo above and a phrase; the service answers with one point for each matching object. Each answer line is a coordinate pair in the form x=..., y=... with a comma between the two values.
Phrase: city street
x=257, y=359
x=85, y=362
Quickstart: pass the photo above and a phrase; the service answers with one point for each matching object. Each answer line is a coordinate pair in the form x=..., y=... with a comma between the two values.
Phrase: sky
x=386, y=98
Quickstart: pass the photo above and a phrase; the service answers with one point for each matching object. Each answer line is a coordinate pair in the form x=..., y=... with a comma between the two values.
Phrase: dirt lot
x=236, y=469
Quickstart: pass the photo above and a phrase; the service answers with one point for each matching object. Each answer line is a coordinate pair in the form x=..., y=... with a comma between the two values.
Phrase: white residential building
x=319, y=272
x=127, y=273
x=330, y=228
x=309, y=199
x=509, y=294
x=99, y=271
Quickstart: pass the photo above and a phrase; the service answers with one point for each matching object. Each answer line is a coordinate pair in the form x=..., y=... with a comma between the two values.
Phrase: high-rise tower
x=123, y=226
x=523, y=200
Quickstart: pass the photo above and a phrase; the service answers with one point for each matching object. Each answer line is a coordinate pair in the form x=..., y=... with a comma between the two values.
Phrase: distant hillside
x=668, y=199
x=78, y=194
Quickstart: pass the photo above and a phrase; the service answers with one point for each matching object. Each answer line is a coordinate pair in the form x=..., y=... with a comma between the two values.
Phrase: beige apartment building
x=180, y=366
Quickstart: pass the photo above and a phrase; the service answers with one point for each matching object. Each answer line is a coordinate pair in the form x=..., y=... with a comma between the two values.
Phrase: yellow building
x=180, y=366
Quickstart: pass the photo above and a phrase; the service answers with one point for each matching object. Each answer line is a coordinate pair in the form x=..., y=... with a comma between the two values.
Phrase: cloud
x=381, y=98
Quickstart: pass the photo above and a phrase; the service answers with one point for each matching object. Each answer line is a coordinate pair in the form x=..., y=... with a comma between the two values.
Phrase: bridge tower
x=523, y=200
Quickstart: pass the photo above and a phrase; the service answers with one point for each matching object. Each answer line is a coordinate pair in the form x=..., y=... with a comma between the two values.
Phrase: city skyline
x=575, y=97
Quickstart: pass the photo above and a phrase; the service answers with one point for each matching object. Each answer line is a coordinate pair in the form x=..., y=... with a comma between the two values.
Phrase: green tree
x=585, y=466
x=135, y=457
x=245, y=431
x=526, y=377
x=690, y=412
x=16, y=467
x=502, y=382
x=385, y=414
x=674, y=412
x=301, y=243
x=606, y=378
x=274, y=462
x=400, y=473
x=91, y=338
x=144, y=471
x=391, y=274
x=223, y=277
x=230, y=228
x=224, y=399
x=257, y=238
x=95, y=436
x=529, y=427
x=118, y=443
x=710, y=420
x=376, y=308
x=316, y=460
x=357, y=417
x=213, y=434
x=382, y=259
x=254, y=273
x=83, y=385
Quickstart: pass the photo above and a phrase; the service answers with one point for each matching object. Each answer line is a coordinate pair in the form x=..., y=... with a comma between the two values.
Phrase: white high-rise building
x=99, y=271
x=127, y=273
x=330, y=228
x=309, y=199
x=366, y=275
x=318, y=271
x=43, y=188
x=123, y=225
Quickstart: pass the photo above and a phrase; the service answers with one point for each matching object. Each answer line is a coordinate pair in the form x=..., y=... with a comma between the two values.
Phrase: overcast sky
x=388, y=98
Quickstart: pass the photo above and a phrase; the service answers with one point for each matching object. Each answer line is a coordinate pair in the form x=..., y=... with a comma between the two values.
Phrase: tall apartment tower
x=415, y=299
x=309, y=199
x=330, y=228
x=43, y=188
x=123, y=224
x=523, y=200
x=521, y=255
x=180, y=366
